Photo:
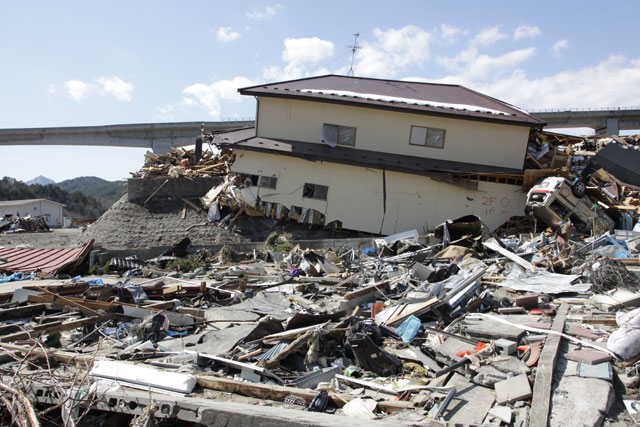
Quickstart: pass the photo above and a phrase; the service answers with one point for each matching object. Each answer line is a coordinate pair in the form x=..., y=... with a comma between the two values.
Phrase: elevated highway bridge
x=603, y=120
x=160, y=137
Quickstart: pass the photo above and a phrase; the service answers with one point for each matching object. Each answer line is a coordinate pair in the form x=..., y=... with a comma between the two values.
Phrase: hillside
x=78, y=205
x=107, y=192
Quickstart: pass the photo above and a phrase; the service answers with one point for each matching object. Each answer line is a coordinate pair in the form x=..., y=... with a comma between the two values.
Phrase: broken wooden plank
x=57, y=298
x=365, y=290
x=510, y=255
x=51, y=328
x=278, y=393
x=541, y=401
x=21, y=312
x=415, y=310
x=156, y=191
x=193, y=205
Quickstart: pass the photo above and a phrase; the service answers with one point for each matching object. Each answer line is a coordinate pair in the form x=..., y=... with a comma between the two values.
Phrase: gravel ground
x=127, y=225
x=57, y=238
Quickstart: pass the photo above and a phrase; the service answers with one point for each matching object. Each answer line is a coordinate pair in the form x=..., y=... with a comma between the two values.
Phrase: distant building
x=384, y=156
x=50, y=210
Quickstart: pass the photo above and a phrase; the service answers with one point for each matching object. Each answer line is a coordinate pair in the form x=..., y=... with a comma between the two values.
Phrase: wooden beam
x=541, y=401
x=366, y=290
x=21, y=312
x=193, y=205
x=59, y=355
x=156, y=191
x=50, y=328
x=278, y=393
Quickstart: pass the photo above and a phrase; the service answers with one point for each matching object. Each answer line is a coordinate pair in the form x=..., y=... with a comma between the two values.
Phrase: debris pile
x=462, y=331
x=20, y=224
x=181, y=162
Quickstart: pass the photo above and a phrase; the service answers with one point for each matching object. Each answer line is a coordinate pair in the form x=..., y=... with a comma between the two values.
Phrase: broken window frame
x=268, y=182
x=430, y=134
x=342, y=135
x=246, y=180
x=315, y=191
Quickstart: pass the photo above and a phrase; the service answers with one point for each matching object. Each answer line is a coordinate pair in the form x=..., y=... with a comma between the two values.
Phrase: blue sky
x=78, y=63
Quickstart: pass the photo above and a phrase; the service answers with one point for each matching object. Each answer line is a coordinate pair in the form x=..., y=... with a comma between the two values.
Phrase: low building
x=50, y=210
x=384, y=156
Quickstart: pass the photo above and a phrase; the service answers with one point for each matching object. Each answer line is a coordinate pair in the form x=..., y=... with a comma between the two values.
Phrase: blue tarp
x=409, y=328
x=15, y=277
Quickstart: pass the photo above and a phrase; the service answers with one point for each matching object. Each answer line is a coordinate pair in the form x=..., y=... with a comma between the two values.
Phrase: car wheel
x=579, y=189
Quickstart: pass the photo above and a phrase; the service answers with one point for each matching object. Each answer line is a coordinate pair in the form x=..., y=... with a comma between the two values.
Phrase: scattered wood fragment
x=151, y=196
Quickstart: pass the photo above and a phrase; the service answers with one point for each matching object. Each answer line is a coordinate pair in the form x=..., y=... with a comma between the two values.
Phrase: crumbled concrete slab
x=503, y=413
x=490, y=329
x=511, y=365
x=487, y=376
x=446, y=352
x=512, y=389
x=580, y=402
x=471, y=403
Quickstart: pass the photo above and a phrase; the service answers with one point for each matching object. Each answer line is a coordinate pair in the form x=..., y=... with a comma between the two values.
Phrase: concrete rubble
x=461, y=326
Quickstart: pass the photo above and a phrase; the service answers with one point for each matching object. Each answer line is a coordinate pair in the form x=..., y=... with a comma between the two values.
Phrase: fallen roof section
x=44, y=260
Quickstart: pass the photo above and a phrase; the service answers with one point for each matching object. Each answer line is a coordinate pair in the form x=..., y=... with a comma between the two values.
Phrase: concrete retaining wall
x=138, y=189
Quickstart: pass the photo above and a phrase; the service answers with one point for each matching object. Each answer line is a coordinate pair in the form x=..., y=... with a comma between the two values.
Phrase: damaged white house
x=383, y=156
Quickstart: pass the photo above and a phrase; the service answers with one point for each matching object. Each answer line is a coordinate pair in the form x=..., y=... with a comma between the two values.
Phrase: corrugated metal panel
x=45, y=260
x=272, y=352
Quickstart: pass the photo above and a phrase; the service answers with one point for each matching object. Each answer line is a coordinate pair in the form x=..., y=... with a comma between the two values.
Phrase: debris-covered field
x=531, y=324
x=402, y=332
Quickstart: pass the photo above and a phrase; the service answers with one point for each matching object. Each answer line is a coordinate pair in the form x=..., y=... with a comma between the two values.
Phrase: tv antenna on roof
x=354, y=47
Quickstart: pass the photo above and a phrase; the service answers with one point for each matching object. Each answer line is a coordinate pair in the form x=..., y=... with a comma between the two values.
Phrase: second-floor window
x=427, y=137
x=338, y=135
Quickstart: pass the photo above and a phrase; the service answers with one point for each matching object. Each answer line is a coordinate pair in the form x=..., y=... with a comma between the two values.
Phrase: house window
x=427, y=137
x=315, y=191
x=268, y=182
x=338, y=135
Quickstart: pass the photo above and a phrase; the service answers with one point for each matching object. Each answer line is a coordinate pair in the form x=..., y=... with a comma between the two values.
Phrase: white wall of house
x=389, y=131
x=356, y=196
x=51, y=211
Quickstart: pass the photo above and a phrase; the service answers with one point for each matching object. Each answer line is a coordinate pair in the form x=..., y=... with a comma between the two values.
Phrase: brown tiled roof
x=429, y=98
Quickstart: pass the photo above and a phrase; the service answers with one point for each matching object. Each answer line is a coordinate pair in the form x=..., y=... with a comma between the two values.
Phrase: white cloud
x=165, y=113
x=392, y=51
x=612, y=82
x=526, y=31
x=51, y=89
x=306, y=50
x=224, y=34
x=449, y=33
x=264, y=14
x=488, y=36
x=115, y=86
x=77, y=89
x=209, y=96
x=559, y=46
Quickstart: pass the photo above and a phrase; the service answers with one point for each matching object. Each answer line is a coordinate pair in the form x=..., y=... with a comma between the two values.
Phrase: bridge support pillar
x=161, y=146
x=613, y=126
